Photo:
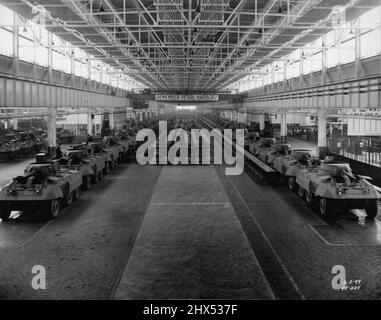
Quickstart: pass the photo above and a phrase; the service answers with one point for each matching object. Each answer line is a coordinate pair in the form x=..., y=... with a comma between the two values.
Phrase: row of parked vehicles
x=16, y=144
x=327, y=183
x=49, y=184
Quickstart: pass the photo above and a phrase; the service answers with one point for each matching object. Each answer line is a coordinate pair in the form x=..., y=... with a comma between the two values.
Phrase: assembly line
x=190, y=151
x=270, y=228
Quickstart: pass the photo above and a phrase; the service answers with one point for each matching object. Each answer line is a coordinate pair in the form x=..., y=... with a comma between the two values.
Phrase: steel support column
x=52, y=127
x=261, y=123
x=283, y=126
x=322, y=132
x=90, y=123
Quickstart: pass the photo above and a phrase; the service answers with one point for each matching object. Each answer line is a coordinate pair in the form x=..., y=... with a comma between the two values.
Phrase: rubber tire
x=94, y=178
x=69, y=199
x=53, y=208
x=301, y=192
x=76, y=194
x=87, y=183
x=5, y=213
x=328, y=211
x=372, y=210
x=291, y=183
x=310, y=200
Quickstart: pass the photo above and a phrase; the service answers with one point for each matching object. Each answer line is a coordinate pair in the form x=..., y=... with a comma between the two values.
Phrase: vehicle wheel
x=87, y=182
x=107, y=167
x=372, y=210
x=5, y=213
x=326, y=208
x=291, y=183
x=76, y=194
x=53, y=208
x=69, y=198
x=310, y=198
x=95, y=178
x=301, y=192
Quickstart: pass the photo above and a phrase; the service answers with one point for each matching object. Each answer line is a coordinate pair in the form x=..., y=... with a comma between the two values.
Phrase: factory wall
x=26, y=94
x=33, y=72
x=338, y=91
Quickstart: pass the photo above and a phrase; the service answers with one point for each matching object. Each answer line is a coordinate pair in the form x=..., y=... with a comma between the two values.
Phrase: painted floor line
x=284, y=268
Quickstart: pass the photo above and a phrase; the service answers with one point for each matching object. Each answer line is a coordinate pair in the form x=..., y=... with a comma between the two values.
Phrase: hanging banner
x=187, y=97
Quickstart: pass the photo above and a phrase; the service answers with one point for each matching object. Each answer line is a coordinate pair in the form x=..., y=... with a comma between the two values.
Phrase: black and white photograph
x=190, y=157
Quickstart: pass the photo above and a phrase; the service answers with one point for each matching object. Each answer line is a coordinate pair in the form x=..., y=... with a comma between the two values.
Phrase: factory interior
x=190, y=150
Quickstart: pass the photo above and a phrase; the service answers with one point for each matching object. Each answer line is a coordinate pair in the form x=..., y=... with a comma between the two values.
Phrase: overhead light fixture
x=101, y=9
x=25, y=29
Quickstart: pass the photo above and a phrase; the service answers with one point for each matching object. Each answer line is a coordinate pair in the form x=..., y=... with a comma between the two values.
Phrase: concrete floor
x=191, y=244
x=188, y=232
x=85, y=249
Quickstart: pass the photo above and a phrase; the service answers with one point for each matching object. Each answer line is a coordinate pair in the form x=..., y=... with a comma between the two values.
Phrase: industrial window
x=6, y=36
x=370, y=39
x=80, y=65
x=26, y=49
x=6, y=17
x=316, y=62
x=33, y=46
x=370, y=44
x=42, y=56
x=57, y=60
x=332, y=57
x=6, y=43
x=347, y=51
x=340, y=49
x=42, y=50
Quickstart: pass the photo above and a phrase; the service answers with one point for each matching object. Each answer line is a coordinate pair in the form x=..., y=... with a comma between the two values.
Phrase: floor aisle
x=191, y=244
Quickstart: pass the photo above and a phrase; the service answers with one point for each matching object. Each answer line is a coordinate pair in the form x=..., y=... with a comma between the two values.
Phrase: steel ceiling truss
x=188, y=45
